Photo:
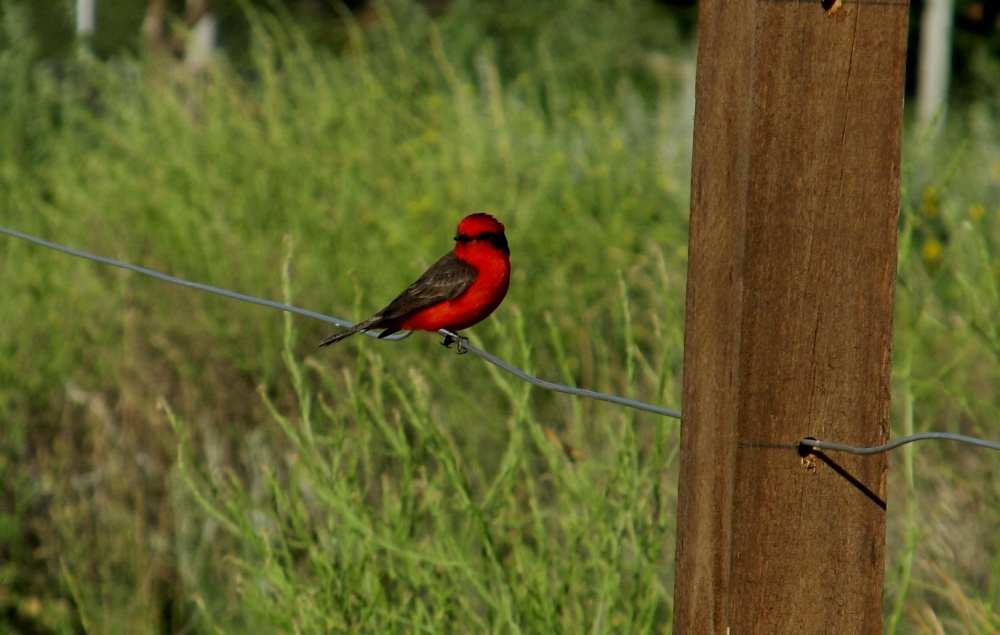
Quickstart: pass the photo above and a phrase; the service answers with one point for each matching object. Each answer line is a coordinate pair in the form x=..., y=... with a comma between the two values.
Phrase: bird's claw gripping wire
x=454, y=338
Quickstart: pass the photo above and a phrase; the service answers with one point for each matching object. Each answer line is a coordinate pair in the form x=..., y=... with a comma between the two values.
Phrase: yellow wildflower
x=931, y=251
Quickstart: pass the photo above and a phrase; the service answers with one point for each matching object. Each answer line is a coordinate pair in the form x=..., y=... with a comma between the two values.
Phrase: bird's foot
x=456, y=339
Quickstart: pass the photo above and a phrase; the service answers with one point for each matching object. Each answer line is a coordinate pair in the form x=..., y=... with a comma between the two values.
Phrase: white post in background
x=201, y=42
x=85, y=13
x=935, y=61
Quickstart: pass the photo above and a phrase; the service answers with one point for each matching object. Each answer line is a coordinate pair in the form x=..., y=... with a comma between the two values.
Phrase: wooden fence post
x=794, y=203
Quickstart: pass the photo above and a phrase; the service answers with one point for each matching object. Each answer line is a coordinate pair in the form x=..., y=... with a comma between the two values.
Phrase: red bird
x=459, y=290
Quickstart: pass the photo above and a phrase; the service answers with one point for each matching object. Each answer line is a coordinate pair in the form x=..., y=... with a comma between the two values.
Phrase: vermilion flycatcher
x=459, y=290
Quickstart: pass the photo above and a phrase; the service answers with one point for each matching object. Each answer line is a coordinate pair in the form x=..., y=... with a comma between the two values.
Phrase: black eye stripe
x=484, y=237
x=496, y=239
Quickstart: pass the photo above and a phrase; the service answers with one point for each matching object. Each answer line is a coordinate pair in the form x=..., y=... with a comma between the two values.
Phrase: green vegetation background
x=172, y=461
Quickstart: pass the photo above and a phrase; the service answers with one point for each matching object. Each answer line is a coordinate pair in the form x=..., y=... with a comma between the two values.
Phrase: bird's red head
x=482, y=229
x=479, y=223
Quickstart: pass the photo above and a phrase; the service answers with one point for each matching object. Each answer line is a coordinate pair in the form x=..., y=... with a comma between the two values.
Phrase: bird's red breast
x=480, y=241
x=461, y=289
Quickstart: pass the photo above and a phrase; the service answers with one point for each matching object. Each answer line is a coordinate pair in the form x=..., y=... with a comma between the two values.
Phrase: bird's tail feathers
x=361, y=326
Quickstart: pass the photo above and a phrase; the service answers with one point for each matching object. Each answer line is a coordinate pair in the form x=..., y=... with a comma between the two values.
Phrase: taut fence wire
x=465, y=345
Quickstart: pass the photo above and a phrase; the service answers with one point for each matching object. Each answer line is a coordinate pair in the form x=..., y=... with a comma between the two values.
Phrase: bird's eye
x=485, y=237
x=496, y=239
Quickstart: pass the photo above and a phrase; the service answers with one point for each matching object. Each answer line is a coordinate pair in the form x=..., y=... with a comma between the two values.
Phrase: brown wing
x=446, y=279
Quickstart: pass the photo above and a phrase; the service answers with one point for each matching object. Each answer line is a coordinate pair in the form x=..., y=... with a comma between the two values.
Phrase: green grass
x=176, y=462
x=943, y=565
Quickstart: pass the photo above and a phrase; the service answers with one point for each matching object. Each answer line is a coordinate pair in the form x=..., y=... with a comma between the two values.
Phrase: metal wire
x=892, y=445
x=466, y=346
x=193, y=285
x=569, y=390
x=548, y=385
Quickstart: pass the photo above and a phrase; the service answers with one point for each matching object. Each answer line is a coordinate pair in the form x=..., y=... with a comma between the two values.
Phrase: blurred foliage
x=512, y=26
